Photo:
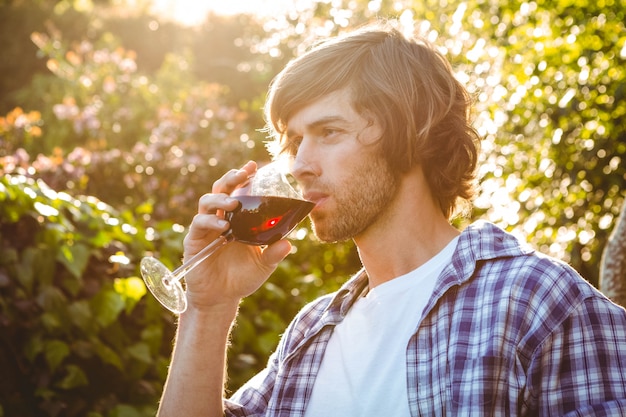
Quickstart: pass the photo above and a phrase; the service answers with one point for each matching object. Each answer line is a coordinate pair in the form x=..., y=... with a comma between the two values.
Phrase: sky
x=191, y=12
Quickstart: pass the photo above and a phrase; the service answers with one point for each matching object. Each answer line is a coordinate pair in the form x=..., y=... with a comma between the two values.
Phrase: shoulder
x=497, y=269
x=309, y=321
x=487, y=251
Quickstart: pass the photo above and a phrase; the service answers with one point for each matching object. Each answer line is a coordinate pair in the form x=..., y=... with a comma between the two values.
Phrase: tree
x=613, y=264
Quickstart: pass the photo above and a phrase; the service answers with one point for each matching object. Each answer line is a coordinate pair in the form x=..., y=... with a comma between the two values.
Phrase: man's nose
x=302, y=163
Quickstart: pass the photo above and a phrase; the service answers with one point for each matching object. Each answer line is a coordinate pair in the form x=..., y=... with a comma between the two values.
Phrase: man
x=437, y=322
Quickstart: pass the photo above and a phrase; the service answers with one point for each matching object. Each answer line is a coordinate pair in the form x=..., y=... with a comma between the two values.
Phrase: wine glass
x=269, y=209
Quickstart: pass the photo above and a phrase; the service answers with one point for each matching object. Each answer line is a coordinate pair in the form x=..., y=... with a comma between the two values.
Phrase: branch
x=613, y=262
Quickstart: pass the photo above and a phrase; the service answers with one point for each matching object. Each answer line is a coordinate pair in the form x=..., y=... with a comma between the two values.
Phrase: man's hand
x=237, y=270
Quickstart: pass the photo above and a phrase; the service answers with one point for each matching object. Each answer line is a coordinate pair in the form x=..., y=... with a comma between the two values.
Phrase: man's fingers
x=205, y=224
x=229, y=181
x=216, y=203
x=275, y=253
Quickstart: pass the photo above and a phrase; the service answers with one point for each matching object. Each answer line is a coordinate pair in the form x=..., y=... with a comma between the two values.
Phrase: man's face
x=339, y=167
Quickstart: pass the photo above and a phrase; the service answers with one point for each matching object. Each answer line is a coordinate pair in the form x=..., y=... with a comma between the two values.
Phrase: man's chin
x=328, y=235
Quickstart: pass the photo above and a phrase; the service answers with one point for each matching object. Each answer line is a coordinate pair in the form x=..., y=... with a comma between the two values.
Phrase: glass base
x=161, y=284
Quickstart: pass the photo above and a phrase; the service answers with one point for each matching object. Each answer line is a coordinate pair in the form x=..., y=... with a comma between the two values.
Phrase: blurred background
x=116, y=115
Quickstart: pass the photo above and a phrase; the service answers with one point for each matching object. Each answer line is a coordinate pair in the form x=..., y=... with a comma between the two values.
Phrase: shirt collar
x=480, y=241
x=345, y=297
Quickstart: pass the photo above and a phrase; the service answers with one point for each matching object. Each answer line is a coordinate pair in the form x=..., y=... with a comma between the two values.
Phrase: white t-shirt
x=363, y=372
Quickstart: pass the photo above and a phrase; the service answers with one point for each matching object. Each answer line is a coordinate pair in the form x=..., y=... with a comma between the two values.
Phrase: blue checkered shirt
x=507, y=332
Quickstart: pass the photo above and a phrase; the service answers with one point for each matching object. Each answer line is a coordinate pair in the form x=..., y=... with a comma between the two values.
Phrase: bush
x=102, y=128
x=78, y=337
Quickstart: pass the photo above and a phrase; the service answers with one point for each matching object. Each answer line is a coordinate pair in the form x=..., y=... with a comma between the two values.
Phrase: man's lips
x=316, y=197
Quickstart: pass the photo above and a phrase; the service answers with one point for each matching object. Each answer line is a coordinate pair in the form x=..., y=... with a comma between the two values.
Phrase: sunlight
x=193, y=12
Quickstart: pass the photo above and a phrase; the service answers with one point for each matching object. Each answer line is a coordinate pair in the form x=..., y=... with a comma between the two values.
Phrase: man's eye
x=329, y=131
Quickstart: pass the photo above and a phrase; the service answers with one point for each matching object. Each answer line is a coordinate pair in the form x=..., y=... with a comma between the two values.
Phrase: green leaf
x=75, y=377
x=45, y=393
x=44, y=265
x=267, y=342
x=9, y=256
x=124, y=410
x=51, y=298
x=73, y=285
x=25, y=269
x=153, y=335
x=50, y=321
x=101, y=239
x=107, y=306
x=108, y=355
x=55, y=352
x=80, y=314
x=131, y=289
x=140, y=351
x=74, y=258
x=34, y=346
x=144, y=208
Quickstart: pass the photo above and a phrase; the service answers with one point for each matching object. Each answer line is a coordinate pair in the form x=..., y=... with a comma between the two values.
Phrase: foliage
x=556, y=135
x=104, y=129
x=145, y=115
x=76, y=338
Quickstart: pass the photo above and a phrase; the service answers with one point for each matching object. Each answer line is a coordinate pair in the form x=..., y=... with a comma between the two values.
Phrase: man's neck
x=412, y=231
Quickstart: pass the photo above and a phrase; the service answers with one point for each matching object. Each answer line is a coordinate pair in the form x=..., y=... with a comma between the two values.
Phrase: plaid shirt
x=507, y=332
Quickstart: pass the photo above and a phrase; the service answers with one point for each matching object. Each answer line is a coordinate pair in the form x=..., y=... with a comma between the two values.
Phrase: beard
x=360, y=201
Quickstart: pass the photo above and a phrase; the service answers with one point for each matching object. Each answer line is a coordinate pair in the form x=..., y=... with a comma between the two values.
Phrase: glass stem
x=195, y=260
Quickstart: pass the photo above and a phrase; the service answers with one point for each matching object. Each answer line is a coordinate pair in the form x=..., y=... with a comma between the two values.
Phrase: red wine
x=263, y=220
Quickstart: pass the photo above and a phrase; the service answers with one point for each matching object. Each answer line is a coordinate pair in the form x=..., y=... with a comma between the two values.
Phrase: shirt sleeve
x=252, y=398
x=580, y=370
x=257, y=395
